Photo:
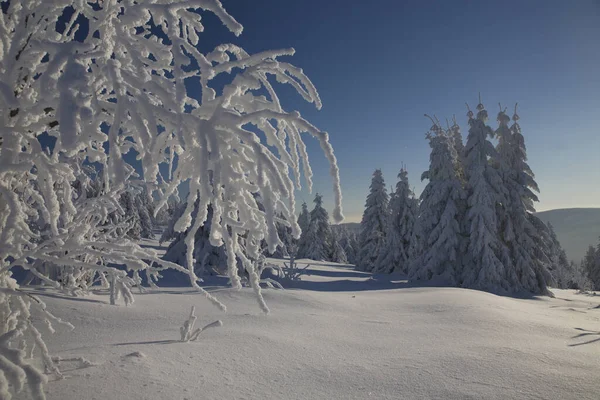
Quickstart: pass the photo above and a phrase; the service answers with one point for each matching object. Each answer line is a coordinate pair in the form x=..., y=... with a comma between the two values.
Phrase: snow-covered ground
x=339, y=334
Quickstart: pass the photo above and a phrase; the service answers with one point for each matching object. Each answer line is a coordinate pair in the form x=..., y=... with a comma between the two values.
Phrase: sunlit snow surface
x=338, y=335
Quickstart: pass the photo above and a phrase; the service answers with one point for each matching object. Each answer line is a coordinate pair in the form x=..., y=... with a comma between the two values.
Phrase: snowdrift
x=342, y=335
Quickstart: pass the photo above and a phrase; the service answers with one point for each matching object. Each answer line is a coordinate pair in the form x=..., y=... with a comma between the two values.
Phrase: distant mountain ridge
x=576, y=228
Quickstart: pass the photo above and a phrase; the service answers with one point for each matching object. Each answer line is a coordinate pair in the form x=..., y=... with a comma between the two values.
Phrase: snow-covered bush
x=88, y=82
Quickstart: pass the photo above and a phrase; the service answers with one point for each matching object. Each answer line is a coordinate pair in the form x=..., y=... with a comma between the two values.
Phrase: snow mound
x=344, y=334
x=135, y=354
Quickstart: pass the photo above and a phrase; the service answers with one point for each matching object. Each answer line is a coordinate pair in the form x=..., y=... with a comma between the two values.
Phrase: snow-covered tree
x=400, y=236
x=303, y=223
x=208, y=259
x=103, y=78
x=458, y=147
x=285, y=234
x=349, y=243
x=484, y=267
x=145, y=210
x=440, y=215
x=304, y=218
x=373, y=224
x=591, y=266
x=338, y=254
x=562, y=270
x=317, y=245
x=525, y=242
x=131, y=215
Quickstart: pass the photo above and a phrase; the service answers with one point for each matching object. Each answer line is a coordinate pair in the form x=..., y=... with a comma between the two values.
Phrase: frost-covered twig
x=187, y=329
x=73, y=97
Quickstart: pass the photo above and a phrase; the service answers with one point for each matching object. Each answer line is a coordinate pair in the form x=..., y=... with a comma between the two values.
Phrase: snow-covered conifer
x=303, y=223
x=400, y=237
x=373, y=224
x=338, y=254
x=285, y=234
x=440, y=213
x=458, y=147
x=318, y=242
x=525, y=241
x=483, y=266
x=591, y=266
x=304, y=218
x=563, y=271
x=349, y=243
x=145, y=211
x=131, y=216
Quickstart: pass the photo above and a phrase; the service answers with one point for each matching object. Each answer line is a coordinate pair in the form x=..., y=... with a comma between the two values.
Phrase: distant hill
x=352, y=227
x=576, y=228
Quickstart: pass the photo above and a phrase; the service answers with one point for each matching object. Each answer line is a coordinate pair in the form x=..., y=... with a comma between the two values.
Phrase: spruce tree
x=303, y=222
x=562, y=270
x=318, y=242
x=304, y=218
x=526, y=239
x=349, y=243
x=400, y=232
x=338, y=254
x=208, y=259
x=285, y=235
x=483, y=267
x=591, y=265
x=374, y=223
x=145, y=210
x=458, y=147
x=131, y=215
x=440, y=212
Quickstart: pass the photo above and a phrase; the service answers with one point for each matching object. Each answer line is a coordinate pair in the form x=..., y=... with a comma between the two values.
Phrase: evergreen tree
x=400, y=233
x=208, y=259
x=338, y=254
x=349, y=243
x=303, y=223
x=285, y=235
x=458, y=148
x=440, y=212
x=138, y=211
x=561, y=269
x=131, y=215
x=591, y=265
x=524, y=238
x=304, y=218
x=318, y=242
x=145, y=211
x=483, y=267
x=373, y=224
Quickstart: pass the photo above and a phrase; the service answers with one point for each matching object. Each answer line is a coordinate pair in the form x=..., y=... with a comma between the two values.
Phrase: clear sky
x=379, y=65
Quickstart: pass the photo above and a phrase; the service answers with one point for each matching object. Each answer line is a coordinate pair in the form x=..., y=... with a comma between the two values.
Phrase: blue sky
x=380, y=65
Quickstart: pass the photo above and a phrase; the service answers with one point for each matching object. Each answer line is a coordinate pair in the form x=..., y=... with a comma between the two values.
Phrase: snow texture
x=427, y=343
